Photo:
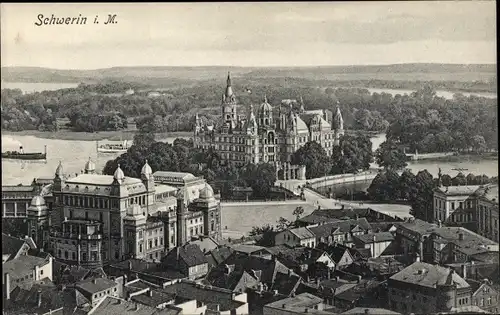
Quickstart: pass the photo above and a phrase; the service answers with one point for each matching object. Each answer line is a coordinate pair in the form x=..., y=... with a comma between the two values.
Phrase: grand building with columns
x=267, y=133
x=97, y=219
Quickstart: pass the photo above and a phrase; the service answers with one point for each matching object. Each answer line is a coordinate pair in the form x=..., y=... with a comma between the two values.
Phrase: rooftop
x=11, y=245
x=489, y=192
x=418, y=226
x=23, y=265
x=375, y=237
x=465, y=190
x=469, y=242
x=101, y=180
x=297, y=303
x=208, y=295
x=427, y=275
x=176, y=176
x=96, y=285
x=296, y=255
x=302, y=233
x=365, y=310
x=344, y=226
x=191, y=254
x=249, y=249
x=116, y=306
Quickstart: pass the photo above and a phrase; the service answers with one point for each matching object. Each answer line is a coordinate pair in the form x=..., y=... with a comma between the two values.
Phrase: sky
x=250, y=34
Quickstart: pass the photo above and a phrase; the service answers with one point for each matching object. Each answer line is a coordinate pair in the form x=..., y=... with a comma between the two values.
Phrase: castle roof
x=90, y=166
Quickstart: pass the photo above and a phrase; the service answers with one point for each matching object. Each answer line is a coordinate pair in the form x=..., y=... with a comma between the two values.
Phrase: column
x=15, y=208
x=4, y=206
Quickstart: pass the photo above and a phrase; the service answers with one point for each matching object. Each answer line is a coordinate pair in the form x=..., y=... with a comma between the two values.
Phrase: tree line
x=421, y=120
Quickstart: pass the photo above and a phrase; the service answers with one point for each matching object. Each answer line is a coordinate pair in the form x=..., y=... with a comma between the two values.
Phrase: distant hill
x=410, y=72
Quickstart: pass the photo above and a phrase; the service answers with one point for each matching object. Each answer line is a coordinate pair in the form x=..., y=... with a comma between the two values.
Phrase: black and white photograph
x=234, y=158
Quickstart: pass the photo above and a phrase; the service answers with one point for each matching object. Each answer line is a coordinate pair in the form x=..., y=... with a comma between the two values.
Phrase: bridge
x=334, y=182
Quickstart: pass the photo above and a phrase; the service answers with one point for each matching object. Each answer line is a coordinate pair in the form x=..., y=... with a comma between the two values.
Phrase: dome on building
x=119, y=175
x=265, y=107
x=146, y=170
x=37, y=201
x=59, y=169
x=207, y=192
x=89, y=166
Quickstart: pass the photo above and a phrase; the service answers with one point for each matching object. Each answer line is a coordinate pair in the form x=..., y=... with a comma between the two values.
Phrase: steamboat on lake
x=120, y=147
x=28, y=156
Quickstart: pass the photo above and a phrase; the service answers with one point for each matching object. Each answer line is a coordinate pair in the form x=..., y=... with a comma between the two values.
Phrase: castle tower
x=38, y=220
x=89, y=167
x=338, y=125
x=57, y=212
x=252, y=126
x=302, y=108
x=182, y=213
x=229, y=103
x=149, y=181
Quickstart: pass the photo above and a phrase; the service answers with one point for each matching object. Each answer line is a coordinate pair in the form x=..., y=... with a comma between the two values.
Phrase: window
x=65, y=254
x=41, y=272
x=150, y=244
x=140, y=248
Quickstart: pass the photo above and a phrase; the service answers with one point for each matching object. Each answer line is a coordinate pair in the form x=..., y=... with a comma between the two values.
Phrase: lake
x=27, y=87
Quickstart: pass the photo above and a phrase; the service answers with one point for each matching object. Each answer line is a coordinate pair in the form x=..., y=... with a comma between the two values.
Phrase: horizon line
x=272, y=66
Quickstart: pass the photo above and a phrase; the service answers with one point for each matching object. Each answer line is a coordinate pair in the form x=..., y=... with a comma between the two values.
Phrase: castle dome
x=265, y=107
x=207, y=193
x=146, y=170
x=119, y=175
x=37, y=201
x=89, y=166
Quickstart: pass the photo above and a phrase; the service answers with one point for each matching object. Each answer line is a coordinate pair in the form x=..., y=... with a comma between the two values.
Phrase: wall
x=190, y=307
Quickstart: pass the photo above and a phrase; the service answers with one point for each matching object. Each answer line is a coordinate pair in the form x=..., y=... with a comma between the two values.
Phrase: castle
x=272, y=134
x=98, y=219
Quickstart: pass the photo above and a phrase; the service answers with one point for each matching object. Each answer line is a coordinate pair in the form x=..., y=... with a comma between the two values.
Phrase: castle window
x=65, y=254
x=156, y=242
x=106, y=206
x=59, y=253
x=73, y=256
x=161, y=240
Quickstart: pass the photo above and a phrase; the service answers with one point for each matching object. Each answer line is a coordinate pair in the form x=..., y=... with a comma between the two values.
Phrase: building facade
x=472, y=207
x=98, y=219
x=269, y=134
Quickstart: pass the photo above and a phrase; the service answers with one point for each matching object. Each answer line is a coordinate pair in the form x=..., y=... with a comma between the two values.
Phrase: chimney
x=367, y=311
x=7, y=286
x=337, y=278
x=136, y=307
x=39, y=298
x=289, y=272
x=150, y=293
x=318, y=281
x=439, y=223
x=342, y=207
x=306, y=310
x=374, y=238
x=217, y=307
x=359, y=279
x=94, y=281
x=464, y=271
x=460, y=236
x=283, y=306
x=275, y=292
x=130, y=265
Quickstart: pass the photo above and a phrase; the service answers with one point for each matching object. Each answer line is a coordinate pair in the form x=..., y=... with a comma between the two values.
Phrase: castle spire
x=265, y=98
x=229, y=89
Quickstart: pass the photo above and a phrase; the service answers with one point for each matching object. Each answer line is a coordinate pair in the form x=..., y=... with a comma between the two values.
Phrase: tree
x=407, y=185
x=267, y=234
x=261, y=178
x=378, y=188
x=299, y=211
x=470, y=179
x=390, y=156
x=314, y=157
x=459, y=180
x=282, y=224
x=479, y=144
x=353, y=153
x=446, y=180
x=422, y=204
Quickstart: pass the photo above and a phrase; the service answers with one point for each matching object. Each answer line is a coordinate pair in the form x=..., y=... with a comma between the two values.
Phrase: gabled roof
x=218, y=255
x=427, y=275
x=236, y=280
x=268, y=267
x=191, y=254
x=11, y=245
x=206, y=244
x=369, y=311
x=458, y=190
x=335, y=252
x=315, y=218
x=293, y=256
